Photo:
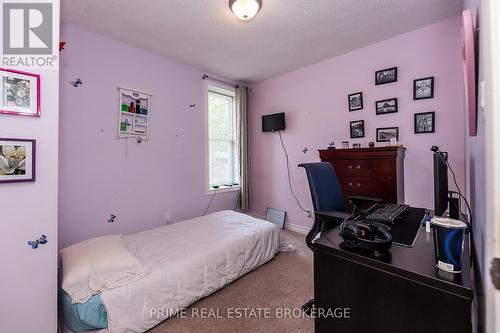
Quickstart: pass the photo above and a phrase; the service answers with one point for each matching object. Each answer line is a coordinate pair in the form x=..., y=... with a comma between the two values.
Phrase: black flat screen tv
x=273, y=122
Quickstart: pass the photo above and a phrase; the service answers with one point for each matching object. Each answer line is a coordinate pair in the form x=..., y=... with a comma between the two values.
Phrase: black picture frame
x=424, y=94
x=354, y=131
x=356, y=108
x=379, y=109
x=386, y=128
x=419, y=122
x=388, y=75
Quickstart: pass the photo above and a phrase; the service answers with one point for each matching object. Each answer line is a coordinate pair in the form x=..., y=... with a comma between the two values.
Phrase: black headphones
x=366, y=235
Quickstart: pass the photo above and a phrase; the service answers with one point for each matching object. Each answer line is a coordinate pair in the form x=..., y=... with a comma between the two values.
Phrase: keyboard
x=387, y=213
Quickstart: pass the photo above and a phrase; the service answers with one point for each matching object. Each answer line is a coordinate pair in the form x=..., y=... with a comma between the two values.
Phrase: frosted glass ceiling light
x=245, y=9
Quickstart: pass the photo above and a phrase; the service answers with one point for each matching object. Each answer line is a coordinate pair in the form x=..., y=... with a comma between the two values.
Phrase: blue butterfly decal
x=34, y=244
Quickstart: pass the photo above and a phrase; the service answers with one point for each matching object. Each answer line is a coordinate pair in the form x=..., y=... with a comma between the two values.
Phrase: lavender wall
x=164, y=174
x=28, y=285
x=315, y=101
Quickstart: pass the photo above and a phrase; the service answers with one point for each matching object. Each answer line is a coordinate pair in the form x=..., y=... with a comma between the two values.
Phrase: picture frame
x=357, y=129
x=19, y=93
x=17, y=160
x=423, y=88
x=385, y=76
x=386, y=106
x=424, y=122
x=355, y=101
x=384, y=134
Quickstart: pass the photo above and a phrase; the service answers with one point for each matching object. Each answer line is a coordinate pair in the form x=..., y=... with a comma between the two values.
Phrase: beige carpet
x=281, y=285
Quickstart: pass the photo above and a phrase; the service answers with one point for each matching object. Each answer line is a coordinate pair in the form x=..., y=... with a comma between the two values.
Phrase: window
x=222, y=157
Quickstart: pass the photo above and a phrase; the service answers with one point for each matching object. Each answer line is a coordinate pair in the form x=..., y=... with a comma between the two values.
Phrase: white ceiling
x=285, y=34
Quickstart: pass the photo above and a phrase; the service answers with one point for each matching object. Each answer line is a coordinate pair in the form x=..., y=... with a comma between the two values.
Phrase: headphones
x=366, y=235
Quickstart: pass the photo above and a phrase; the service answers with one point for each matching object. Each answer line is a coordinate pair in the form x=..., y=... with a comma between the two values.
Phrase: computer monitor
x=273, y=122
x=440, y=183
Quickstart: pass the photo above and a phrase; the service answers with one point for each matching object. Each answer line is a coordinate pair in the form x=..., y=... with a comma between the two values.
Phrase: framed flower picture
x=17, y=160
x=19, y=93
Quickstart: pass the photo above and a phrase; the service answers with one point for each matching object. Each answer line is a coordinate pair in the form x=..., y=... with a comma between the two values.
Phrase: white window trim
x=224, y=88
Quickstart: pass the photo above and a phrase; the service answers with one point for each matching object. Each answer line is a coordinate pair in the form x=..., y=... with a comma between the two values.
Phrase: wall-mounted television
x=273, y=122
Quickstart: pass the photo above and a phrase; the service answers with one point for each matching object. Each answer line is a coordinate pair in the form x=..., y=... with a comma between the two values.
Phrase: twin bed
x=184, y=262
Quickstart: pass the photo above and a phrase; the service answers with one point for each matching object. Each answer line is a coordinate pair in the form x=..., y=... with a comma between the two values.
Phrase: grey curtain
x=242, y=98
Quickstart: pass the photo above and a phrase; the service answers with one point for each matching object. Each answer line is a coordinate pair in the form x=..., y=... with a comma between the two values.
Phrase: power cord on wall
x=289, y=177
x=237, y=201
x=212, y=199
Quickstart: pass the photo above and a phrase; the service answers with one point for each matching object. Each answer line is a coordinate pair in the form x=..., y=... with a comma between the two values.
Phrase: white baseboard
x=297, y=228
x=293, y=227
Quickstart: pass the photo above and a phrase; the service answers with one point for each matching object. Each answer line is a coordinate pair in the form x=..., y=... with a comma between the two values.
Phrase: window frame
x=217, y=87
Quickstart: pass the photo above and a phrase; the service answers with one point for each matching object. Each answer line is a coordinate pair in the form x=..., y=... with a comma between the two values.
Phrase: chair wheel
x=308, y=306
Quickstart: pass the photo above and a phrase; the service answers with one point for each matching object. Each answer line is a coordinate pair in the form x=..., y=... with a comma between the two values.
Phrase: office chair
x=328, y=203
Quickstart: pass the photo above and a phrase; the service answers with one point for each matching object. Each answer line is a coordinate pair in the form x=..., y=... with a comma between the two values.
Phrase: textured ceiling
x=285, y=34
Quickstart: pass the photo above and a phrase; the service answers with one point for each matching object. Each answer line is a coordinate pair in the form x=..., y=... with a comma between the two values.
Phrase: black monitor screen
x=440, y=183
x=273, y=122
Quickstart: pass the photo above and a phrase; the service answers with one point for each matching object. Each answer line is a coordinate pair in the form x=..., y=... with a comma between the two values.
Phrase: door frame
x=491, y=32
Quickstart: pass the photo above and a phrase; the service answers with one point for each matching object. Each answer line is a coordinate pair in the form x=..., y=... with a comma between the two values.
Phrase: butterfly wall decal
x=34, y=244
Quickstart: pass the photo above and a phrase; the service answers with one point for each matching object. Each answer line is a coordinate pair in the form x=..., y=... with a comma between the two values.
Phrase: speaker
x=454, y=208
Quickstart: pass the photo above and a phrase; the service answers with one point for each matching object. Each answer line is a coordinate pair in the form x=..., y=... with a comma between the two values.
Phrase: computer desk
x=403, y=292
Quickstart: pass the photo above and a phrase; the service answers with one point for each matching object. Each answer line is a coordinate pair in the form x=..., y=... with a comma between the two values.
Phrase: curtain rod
x=205, y=76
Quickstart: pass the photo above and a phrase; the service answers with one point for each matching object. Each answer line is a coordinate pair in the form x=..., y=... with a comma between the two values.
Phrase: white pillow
x=98, y=264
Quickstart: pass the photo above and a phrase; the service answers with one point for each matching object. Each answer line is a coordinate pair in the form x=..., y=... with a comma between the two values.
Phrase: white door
x=490, y=29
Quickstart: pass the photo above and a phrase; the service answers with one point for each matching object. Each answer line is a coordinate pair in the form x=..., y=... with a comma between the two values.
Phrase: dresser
x=377, y=172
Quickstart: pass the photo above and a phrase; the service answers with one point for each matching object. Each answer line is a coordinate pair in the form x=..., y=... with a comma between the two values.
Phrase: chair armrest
x=324, y=220
x=331, y=216
x=363, y=198
x=359, y=200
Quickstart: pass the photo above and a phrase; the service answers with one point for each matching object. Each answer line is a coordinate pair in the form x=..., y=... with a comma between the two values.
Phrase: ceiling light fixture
x=245, y=9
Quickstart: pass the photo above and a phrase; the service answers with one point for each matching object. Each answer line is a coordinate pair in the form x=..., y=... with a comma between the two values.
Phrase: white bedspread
x=187, y=261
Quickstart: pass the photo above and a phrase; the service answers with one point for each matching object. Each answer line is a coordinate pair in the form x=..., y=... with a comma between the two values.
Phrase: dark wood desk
x=404, y=292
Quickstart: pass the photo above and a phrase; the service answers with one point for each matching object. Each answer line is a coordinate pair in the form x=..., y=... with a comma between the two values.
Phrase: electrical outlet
x=168, y=217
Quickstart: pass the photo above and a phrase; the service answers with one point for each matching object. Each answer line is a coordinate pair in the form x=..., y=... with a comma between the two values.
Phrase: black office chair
x=328, y=203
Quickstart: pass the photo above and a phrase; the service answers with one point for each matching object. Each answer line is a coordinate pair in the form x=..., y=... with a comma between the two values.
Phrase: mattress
x=187, y=261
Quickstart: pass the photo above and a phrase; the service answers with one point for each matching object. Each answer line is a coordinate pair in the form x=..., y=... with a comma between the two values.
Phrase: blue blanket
x=83, y=317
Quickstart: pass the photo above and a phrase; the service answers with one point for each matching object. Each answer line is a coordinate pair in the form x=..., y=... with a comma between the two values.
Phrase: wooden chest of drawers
x=377, y=172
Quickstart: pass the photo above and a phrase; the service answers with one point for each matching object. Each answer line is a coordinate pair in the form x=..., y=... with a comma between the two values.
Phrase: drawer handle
x=358, y=184
x=350, y=184
x=350, y=166
x=358, y=167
